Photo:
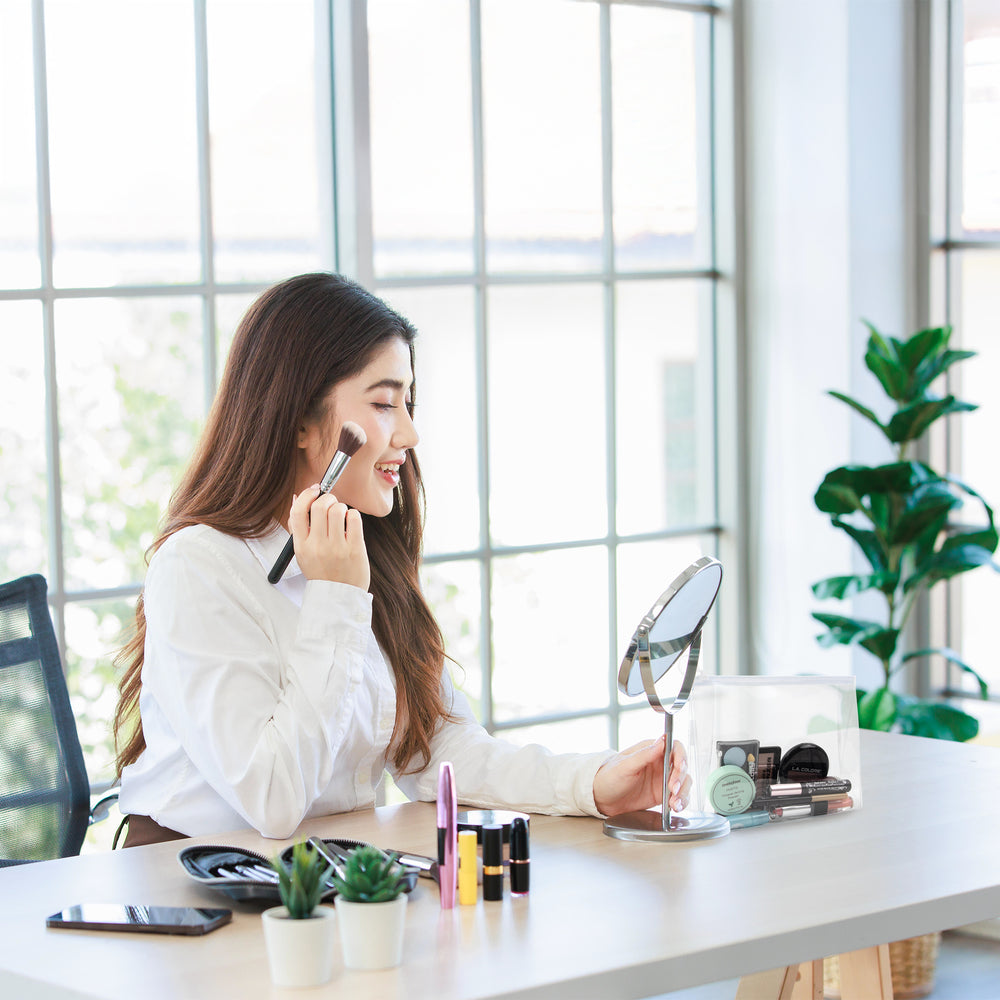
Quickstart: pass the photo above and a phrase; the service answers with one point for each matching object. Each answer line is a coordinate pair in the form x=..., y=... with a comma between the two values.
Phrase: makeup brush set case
x=247, y=877
x=768, y=749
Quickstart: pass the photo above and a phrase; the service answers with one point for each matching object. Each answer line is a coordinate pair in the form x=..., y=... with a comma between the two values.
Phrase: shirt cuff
x=328, y=606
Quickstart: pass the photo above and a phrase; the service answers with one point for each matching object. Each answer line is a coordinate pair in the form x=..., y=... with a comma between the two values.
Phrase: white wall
x=829, y=231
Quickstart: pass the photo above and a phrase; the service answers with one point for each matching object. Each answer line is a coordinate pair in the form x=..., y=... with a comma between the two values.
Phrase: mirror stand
x=647, y=824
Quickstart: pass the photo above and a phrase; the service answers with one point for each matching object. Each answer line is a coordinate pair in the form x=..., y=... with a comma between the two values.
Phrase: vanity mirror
x=655, y=655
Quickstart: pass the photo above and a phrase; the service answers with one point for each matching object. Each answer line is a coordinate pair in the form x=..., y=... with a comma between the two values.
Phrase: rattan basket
x=911, y=962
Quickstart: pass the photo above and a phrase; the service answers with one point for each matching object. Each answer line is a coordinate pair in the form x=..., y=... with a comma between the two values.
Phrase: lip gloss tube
x=520, y=860
x=447, y=824
x=493, y=862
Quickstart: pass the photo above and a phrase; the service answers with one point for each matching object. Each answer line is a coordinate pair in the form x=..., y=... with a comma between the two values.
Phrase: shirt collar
x=267, y=548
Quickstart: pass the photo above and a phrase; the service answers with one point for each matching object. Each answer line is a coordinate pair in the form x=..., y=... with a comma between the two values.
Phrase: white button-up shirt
x=263, y=705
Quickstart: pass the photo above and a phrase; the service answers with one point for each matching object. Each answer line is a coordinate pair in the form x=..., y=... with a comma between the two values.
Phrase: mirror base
x=647, y=825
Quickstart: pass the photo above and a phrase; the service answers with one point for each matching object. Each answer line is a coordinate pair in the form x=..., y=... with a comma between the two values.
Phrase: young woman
x=246, y=703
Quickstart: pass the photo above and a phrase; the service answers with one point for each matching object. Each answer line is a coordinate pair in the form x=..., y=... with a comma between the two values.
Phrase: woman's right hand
x=329, y=539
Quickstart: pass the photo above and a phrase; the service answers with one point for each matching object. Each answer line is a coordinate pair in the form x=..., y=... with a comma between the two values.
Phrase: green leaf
x=986, y=538
x=910, y=422
x=883, y=362
x=877, y=709
x=881, y=643
x=842, y=587
x=923, y=346
x=833, y=497
x=947, y=563
x=844, y=630
x=863, y=410
x=952, y=657
x=935, y=720
x=927, y=507
x=869, y=543
x=933, y=368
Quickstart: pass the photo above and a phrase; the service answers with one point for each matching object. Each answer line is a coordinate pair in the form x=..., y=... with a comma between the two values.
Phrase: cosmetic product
x=739, y=753
x=730, y=790
x=447, y=823
x=768, y=760
x=492, y=862
x=816, y=809
x=822, y=786
x=804, y=762
x=770, y=801
x=468, y=880
x=352, y=437
x=476, y=819
x=758, y=817
x=520, y=859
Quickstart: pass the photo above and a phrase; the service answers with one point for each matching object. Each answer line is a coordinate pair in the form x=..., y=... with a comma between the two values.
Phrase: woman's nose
x=406, y=435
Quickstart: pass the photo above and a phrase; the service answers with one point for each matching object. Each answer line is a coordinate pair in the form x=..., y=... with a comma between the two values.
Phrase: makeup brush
x=352, y=437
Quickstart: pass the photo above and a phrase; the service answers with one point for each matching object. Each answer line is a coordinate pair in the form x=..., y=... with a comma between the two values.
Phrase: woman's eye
x=384, y=406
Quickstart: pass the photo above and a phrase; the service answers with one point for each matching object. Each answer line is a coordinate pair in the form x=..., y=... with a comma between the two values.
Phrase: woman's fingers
x=329, y=539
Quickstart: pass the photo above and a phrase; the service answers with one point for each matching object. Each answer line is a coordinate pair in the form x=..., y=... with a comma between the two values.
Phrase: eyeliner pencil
x=352, y=437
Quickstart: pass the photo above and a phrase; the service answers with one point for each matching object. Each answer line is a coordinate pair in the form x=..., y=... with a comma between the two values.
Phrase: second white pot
x=371, y=934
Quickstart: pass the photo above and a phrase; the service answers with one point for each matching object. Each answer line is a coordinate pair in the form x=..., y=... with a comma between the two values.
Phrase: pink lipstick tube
x=447, y=823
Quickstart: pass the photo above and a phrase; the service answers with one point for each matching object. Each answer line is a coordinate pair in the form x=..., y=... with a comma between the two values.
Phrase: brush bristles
x=352, y=437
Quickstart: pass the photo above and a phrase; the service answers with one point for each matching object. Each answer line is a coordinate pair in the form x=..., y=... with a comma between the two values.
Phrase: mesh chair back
x=44, y=791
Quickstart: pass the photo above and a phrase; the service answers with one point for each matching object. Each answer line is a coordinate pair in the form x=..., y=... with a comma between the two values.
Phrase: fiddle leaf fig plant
x=900, y=516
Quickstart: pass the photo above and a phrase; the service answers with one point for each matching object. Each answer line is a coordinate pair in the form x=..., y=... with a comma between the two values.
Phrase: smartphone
x=144, y=919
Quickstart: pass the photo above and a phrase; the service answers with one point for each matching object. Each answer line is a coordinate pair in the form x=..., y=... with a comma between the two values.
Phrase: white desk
x=605, y=918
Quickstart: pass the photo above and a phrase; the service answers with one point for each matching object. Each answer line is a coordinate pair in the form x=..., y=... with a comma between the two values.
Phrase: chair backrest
x=44, y=791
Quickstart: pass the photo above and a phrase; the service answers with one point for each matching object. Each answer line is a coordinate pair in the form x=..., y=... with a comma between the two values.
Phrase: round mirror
x=671, y=627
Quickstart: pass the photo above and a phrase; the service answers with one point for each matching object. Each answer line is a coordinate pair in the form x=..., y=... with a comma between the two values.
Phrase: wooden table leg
x=775, y=984
x=865, y=974
x=796, y=982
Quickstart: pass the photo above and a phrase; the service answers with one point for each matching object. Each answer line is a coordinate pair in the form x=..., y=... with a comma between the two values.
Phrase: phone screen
x=144, y=919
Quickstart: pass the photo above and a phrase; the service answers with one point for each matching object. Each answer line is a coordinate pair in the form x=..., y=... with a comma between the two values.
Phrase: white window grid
x=341, y=49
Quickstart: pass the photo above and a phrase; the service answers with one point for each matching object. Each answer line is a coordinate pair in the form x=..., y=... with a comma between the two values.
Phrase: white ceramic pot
x=371, y=934
x=300, y=952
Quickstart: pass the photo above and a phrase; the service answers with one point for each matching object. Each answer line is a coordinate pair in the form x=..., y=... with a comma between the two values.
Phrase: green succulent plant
x=370, y=876
x=900, y=517
x=303, y=881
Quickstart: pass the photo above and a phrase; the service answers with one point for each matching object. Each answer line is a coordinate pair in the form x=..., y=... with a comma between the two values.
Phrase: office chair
x=44, y=791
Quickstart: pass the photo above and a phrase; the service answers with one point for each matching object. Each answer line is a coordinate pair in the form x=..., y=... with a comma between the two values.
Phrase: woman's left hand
x=633, y=779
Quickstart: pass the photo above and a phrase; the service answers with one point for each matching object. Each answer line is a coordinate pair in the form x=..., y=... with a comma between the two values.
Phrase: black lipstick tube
x=493, y=862
x=520, y=859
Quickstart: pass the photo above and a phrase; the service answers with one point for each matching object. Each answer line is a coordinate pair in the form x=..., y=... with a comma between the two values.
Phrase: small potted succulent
x=371, y=908
x=299, y=936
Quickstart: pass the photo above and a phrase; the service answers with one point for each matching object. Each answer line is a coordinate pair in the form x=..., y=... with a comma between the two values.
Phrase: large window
x=966, y=279
x=532, y=182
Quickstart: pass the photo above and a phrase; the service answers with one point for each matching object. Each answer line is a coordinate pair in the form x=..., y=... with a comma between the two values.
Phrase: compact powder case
x=804, y=762
x=730, y=790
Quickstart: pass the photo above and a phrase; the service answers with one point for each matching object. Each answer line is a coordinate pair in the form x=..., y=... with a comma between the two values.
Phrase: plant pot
x=371, y=934
x=911, y=962
x=299, y=952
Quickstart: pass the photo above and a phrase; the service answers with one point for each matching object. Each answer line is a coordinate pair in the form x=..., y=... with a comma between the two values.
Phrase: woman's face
x=376, y=400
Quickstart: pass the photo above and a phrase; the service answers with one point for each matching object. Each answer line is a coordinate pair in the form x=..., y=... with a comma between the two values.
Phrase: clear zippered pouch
x=771, y=749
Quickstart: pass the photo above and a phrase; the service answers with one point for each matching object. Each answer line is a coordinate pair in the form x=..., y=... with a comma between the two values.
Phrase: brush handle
x=281, y=563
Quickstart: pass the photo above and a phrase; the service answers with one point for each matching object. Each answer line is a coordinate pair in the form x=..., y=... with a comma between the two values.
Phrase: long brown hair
x=296, y=343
